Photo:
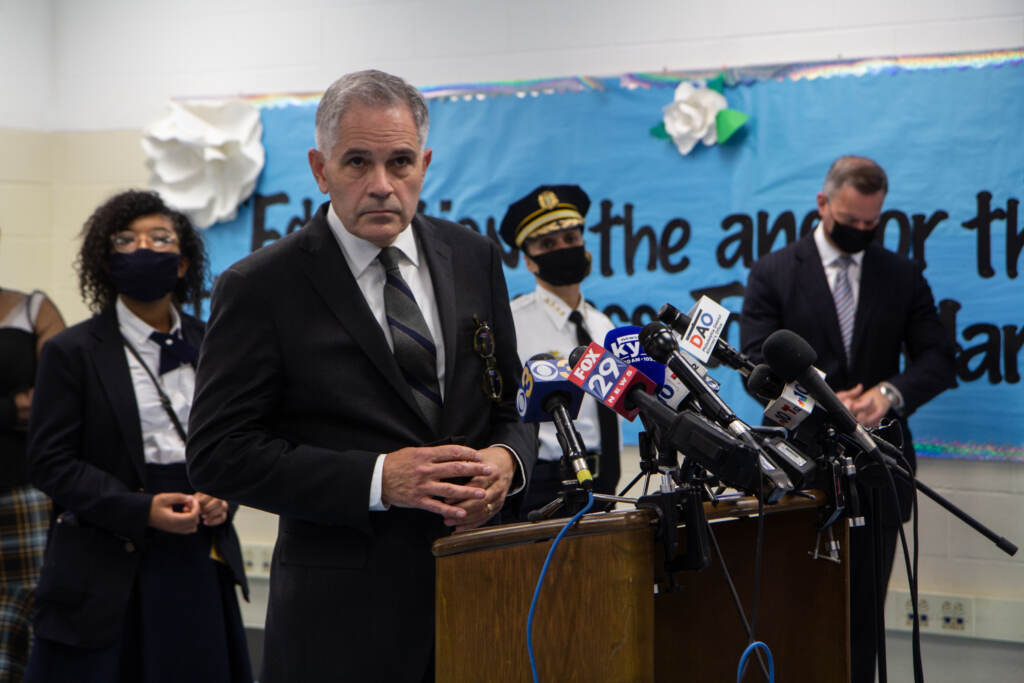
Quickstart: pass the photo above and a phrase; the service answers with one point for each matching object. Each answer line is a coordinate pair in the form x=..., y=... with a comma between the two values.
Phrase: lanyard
x=164, y=401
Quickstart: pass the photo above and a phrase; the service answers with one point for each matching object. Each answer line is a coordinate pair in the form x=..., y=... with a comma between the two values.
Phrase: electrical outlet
x=266, y=554
x=249, y=558
x=950, y=615
x=256, y=558
x=957, y=616
x=922, y=613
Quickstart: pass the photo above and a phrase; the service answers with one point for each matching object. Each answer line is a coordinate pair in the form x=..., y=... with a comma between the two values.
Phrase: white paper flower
x=205, y=158
x=691, y=117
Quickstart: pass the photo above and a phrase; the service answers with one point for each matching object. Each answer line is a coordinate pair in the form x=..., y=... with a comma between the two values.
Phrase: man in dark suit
x=860, y=307
x=358, y=379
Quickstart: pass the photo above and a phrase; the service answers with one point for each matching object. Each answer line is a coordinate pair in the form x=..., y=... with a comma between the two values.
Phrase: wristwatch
x=892, y=394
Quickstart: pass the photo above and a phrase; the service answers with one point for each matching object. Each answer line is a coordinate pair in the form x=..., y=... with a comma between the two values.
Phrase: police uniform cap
x=546, y=209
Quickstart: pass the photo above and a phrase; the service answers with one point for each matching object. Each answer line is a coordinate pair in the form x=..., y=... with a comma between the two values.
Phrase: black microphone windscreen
x=765, y=383
x=673, y=317
x=543, y=355
x=576, y=354
x=788, y=354
x=657, y=340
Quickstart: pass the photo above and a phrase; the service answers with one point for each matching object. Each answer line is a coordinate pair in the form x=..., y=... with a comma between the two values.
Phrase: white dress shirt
x=161, y=443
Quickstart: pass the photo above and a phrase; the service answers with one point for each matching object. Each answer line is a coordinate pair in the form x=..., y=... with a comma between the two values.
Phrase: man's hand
x=413, y=477
x=163, y=516
x=496, y=484
x=212, y=511
x=869, y=407
x=850, y=396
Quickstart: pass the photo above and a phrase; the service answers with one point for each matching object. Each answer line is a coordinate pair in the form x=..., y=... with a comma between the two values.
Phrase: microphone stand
x=572, y=496
x=648, y=464
x=679, y=494
x=890, y=458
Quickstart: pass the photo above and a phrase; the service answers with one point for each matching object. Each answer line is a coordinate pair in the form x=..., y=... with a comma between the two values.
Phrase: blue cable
x=746, y=653
x=540, y=580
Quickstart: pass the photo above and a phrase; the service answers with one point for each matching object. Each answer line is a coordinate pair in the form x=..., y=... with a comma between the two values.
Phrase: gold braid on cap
x=549, y=217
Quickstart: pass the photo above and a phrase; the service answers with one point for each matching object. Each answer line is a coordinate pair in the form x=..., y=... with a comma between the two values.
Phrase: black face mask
x=850, y=239
x=144, y=274
x=563, y=266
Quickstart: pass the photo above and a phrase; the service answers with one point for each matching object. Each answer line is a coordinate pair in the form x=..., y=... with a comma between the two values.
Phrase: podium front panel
x=594, y=619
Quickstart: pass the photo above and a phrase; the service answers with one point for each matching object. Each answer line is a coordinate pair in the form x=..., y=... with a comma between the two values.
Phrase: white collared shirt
x=161, y=443
x=829, y=255
x=543, y=326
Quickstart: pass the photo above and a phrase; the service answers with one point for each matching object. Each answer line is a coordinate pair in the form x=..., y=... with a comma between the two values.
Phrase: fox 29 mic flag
x=667, y=228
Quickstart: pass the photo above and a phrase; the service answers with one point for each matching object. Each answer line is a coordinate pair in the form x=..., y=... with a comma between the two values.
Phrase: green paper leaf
x=717, y=83
x=727, y=122
x=659, y=131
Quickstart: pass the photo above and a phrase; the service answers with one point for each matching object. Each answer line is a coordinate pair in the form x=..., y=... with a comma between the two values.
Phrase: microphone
x=788, y=404
x=545, y=395
x=792, y=359
x=722, y=351
x=609, y=380
x=624, y=342
x=764, y=383
x=627, y=391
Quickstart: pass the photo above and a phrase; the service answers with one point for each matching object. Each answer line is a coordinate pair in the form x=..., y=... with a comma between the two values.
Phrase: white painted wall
x=26, y=64
x=114, y=63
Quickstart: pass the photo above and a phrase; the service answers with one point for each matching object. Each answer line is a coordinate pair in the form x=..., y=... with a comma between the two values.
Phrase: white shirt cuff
x=377, y=485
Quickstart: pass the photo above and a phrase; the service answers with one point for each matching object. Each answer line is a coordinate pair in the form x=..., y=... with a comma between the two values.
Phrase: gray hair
x=866, y=176
x=373, y=88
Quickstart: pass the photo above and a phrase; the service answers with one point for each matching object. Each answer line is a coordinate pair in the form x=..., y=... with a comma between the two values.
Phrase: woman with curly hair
x=139, y=572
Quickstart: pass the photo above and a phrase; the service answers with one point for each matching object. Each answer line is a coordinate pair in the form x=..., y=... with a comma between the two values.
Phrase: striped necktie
x=843, y=295
x=413, y=345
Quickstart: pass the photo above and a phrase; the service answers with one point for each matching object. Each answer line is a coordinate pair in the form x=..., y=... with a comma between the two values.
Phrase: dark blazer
x=85, y=452
x=297, y=394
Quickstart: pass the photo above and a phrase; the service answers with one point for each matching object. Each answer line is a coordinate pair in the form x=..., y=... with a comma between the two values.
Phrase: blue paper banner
x=667, y=228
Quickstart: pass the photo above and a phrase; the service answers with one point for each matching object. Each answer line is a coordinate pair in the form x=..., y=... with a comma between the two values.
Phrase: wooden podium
x=598, y=618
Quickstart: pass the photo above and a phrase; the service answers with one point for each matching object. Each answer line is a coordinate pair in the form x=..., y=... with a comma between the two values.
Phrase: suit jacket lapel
x=334, y=282
x=112, y=368
x=438, y=256
x=872, y=294
x=819, y=294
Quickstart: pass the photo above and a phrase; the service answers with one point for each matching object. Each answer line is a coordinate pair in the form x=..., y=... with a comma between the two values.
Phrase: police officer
x=547, y=226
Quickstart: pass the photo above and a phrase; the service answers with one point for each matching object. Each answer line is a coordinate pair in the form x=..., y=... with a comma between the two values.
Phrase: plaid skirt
x=24, y=519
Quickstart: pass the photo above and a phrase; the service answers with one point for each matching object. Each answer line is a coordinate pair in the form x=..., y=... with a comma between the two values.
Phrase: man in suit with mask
x=547, y=226
x=860, y=307
x=358, y=379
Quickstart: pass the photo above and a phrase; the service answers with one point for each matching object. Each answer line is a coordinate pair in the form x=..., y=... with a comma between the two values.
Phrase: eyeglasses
x=483, y=344
x=128, y=241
